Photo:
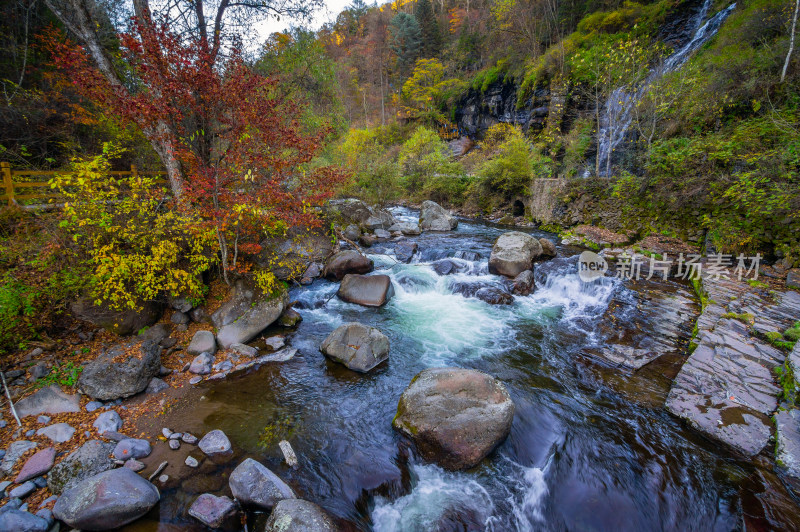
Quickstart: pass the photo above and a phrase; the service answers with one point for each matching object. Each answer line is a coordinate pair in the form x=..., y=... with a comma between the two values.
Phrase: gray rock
x=244, y=350
x=31, y=433
x=455, y=417
x=793, y=278
x=91, y=458
x=253, y=484
x=38, y=464
x=432, y=217
x=108, y=500
x=121, y=322
x=50, y=400
x=166, y=432
x=289, y=318
x=156, y=385
x=188, y=438
x=379, y=219
x=382, y=234
x=175, y=436
x=14, y=453
x=202, y=342
x=156, y=333
x=407, y=228
x=132, y=448
x=787, y=448
x=179, y=318
x=46, y=514
x=352, y=232
x=23, y=490
x=346, y=262
x=548, y=248
x=366, y=290
x=18, y=521
x=347, y=211
x=121, y=371
x=174, y=444
x=259, y=315
x=44, y=420
x=39, y=370
x=211, y=510
x=202, y=363
x=91, y=406
x=107, y=422
x=181, y=304
x=215, y=443
x=404, y=250
x=524, y=283
x=134, y=465
x=297, y=515
x=199, y=315
x=513, y=253
x=163, y=479
x=191, y=461
x=13, y=504
x=357, y=346
x=275, y=342
x=196, y=380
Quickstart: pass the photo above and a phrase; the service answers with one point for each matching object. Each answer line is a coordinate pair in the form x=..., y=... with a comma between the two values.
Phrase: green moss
x=744, y=317
x=757, y=284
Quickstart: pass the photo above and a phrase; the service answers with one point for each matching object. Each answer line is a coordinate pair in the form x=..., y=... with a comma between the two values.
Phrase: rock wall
x=478, y=110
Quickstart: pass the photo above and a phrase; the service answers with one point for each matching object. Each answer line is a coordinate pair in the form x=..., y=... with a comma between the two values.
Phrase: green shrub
x=427, y=168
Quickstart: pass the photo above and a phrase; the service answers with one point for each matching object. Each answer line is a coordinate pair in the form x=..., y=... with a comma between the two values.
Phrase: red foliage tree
x=241, y=147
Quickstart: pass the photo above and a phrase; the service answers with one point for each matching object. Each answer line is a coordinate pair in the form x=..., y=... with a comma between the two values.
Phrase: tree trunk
x=791, y=40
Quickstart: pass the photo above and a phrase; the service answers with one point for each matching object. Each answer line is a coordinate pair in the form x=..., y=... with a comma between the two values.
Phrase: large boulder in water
x=297, y=515
x=379, y=219
x=121, y=322
x=455, y=416
x=548, y=248
x=513, y=253
x=357, y=346
x=108, y=500
x=246, y=313
x=345, y=262
x=121, y=371
x=254, y=485
x=433, y=217
x=367, y=290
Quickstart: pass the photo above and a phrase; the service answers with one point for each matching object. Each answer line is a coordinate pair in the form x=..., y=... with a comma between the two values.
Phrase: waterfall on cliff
x=618, y=110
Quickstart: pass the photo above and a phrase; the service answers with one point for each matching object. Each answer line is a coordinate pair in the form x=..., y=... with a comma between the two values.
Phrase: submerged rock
x=357, y=346
x=524, y=283
x=89, y=459
x=787, y=448
x=121, y=371
x=404, y=250
x=455, y=417
x=367, y=290
x=297, y=515
x=513, y=253
x=215, y=443
x=407, y=228
x=211, y=510
x=253, y=484
x=108, y=500
x=433, y=217
x=346, y=262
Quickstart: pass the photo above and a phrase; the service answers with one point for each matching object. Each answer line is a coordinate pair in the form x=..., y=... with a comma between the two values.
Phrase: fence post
x=7, y=183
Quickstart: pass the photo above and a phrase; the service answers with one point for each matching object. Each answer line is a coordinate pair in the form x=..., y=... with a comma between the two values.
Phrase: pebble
x=30, y=433
x=91, y=406
x=51, y=498
x=134, y=465
x=191, y=461
x=24, y=507
x=174, y=444
x=3, y=423
x=175, y=436
x=4, y=485
x=23, y=490
x=36, y=352
x=13, y=504
x=166, y=432
x=46, y=514
x=189, y=438
x=2, y=453
x=40, y=482
x=44, y=420
x=163, y=478
x=195, y=380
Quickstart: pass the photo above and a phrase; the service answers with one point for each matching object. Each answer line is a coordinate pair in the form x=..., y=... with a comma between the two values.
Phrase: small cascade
x=618, y=110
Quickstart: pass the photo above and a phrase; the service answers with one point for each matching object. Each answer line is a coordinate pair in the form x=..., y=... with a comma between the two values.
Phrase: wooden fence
x=28, y=185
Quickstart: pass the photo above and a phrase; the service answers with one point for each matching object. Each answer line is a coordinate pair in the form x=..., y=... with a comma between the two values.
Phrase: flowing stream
x=619, y=108
x=580, y=456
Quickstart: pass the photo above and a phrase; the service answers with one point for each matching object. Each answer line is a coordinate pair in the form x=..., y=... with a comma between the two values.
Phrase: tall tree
x=213, y=29
x=429, y=29
x=406, y=41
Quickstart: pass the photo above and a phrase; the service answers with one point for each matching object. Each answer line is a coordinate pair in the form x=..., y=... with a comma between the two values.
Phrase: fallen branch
x=10, y=401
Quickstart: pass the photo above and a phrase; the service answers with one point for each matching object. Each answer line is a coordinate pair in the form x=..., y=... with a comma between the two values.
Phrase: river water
x=581, y=455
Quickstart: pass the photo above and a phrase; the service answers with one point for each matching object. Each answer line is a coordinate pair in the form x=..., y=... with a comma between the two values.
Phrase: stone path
x=727, y=388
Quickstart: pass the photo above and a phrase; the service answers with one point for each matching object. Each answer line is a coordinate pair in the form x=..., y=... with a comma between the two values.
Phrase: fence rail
x=14, y=182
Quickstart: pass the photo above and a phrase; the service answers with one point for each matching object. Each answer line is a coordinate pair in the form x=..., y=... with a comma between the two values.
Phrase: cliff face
x=478, y=111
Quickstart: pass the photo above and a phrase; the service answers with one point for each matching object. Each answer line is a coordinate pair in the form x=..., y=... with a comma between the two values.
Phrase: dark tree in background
x=406, y=41
x=429, y=28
